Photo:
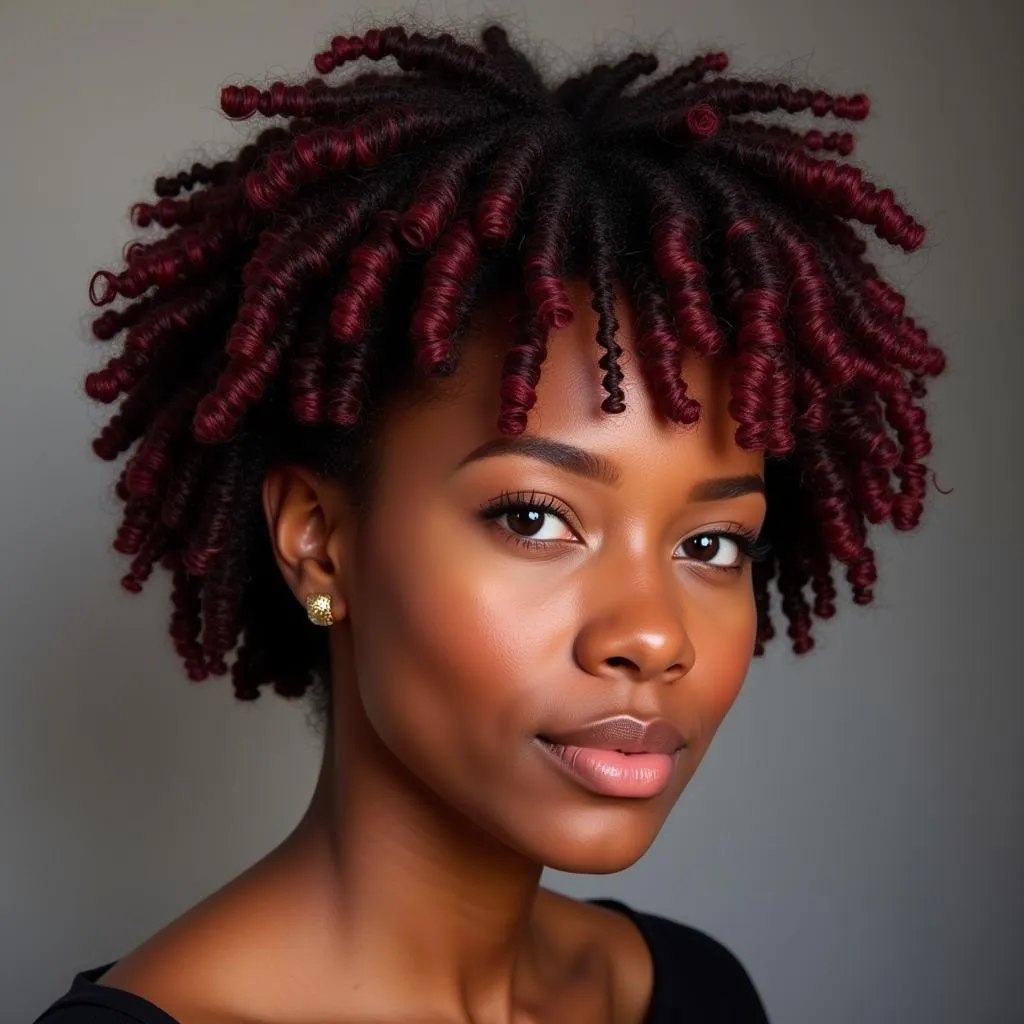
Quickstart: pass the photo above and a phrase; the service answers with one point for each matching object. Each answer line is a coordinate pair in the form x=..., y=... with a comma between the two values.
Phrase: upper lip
x=626, y=733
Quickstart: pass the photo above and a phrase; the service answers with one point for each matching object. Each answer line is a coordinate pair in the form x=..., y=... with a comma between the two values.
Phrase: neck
x=426, y=901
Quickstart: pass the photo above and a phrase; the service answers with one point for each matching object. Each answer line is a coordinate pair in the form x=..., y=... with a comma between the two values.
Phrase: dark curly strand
x=338, y=258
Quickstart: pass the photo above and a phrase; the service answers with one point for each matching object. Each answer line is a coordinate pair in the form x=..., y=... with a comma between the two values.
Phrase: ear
x=310, y=522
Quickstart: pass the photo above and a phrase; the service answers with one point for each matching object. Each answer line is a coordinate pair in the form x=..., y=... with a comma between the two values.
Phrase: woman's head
x=501, y=591
x=460, y=258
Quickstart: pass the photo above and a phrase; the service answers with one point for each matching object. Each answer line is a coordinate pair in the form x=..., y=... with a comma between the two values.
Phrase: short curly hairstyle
x=336, y=260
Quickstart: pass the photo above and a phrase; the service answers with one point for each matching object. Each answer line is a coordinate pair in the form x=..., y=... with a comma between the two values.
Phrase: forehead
x=462, y=411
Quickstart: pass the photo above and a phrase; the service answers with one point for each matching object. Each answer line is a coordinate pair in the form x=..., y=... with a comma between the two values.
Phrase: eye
x=533, y=523
x=540, y=521
x=531, y=518
x=712, y=549
x=720, y=550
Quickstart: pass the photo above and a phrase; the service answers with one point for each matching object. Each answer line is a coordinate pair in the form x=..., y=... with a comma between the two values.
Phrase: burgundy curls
x=291, y=289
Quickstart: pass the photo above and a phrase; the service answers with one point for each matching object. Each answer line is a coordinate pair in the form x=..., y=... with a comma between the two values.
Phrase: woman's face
x=506, y=595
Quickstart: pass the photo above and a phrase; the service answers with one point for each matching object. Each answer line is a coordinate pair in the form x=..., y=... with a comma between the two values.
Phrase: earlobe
x=305, y=518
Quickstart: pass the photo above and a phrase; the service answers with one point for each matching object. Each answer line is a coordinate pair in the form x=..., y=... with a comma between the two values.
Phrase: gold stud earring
x=318, y=608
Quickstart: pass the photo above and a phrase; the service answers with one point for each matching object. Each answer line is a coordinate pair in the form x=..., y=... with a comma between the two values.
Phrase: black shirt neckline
x=86, y=989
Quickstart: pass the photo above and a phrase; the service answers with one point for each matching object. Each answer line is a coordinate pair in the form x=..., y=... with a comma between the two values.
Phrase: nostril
x=621, y=663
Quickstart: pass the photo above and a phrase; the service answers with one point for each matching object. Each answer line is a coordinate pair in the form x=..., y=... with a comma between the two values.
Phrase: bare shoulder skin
x=591, y=965
x=473, y=642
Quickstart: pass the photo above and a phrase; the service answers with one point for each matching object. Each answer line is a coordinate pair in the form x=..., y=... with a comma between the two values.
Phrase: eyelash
x=745, y=540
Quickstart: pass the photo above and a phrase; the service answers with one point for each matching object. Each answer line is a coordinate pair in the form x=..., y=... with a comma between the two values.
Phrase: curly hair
x=336, y=259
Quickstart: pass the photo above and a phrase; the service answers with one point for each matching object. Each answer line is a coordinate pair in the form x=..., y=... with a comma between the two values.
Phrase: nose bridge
x=634, y=622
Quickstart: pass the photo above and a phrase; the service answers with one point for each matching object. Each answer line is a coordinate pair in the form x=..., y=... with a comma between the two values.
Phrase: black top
x=696, y=981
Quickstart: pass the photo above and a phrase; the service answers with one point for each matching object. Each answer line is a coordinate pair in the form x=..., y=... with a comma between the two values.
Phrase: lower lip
x=611, y=773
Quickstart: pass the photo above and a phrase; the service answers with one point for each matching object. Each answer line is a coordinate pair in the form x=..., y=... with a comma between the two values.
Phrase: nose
x=640, y=635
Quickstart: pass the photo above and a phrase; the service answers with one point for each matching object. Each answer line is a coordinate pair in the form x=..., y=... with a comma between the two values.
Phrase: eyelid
x=508, y=501
x=728, y=529
x=751, y=547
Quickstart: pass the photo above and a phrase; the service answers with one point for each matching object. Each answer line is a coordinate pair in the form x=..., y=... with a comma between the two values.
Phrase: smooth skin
x=410, y=890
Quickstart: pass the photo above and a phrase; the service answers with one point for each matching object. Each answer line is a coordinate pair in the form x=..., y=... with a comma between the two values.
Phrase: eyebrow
x=590, y=466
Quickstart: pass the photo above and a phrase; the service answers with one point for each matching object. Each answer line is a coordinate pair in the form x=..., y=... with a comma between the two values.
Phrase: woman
x=523, y=602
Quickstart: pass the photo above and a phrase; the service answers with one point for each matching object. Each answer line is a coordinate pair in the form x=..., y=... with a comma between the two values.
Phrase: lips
x=623, y=733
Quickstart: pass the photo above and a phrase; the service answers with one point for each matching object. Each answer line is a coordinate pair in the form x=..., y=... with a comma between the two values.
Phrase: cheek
x=446, y=644
x=724, y=650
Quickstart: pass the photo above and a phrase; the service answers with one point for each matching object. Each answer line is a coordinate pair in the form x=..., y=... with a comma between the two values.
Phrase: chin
x=592, y=862
x=591, y=842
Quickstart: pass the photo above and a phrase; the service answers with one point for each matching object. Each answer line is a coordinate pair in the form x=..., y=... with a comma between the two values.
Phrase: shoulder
x=691, y=946
x=694, y=970
x=89, y=1002
x=165, y=980
x=94, y=1014
x=668, y=969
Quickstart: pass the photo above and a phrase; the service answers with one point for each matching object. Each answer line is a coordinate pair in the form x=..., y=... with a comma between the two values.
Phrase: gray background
x=855, y=834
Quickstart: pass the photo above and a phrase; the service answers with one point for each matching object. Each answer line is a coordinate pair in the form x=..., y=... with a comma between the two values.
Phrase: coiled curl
x=340, y=253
